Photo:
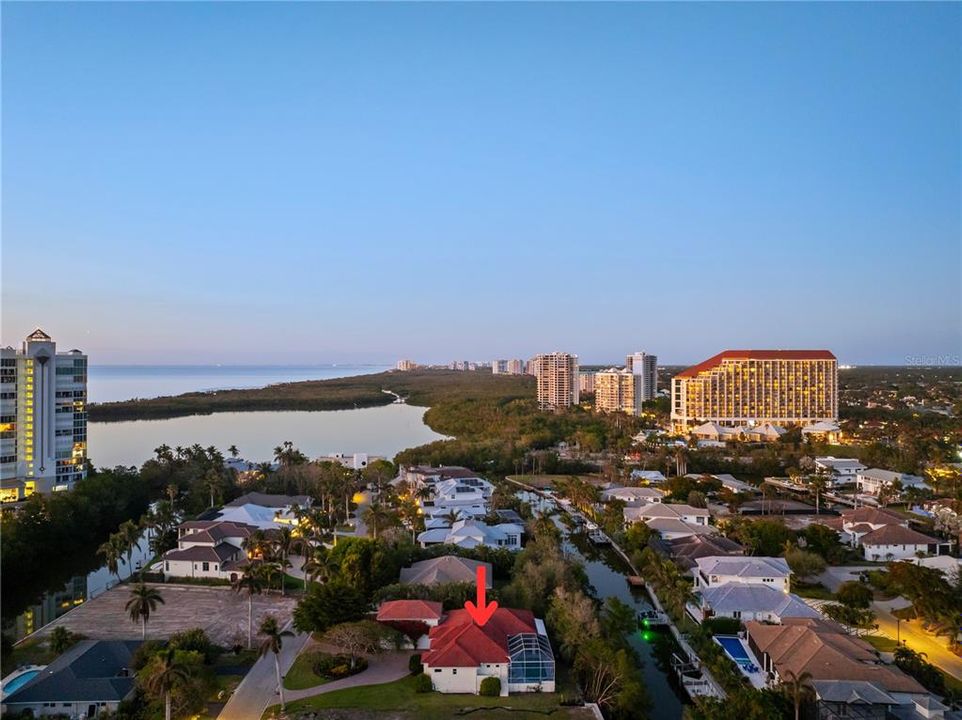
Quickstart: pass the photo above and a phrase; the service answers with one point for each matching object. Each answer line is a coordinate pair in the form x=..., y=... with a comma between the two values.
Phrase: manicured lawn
x=432, y=706
x=32, y=652
x=815, y=591
x=881, y=643
x=301, y=675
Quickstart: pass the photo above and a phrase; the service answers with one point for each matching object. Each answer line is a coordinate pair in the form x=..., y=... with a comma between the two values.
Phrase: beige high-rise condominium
x=615, y=391
x=558, y=385
x=747, y=387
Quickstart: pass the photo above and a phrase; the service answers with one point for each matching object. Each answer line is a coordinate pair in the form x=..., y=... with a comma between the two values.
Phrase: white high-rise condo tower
x=645, y=369
x=43, y=418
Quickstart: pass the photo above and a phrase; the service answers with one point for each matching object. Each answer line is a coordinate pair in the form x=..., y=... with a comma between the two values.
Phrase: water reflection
x=78, y=590
x=384, y=430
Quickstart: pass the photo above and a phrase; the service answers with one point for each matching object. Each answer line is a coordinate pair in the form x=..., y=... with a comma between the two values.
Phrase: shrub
x=422, y=684
x=195, y=640
x=334, y=667
x=722, y=625
x=490, y=687
x=854, y=594
x=414, y=664
x=144, y=652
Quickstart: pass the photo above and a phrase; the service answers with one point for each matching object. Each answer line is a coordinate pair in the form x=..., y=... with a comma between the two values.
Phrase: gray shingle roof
x=444, y=569
x=271, y=501
x=219, y=553
x=90, y=671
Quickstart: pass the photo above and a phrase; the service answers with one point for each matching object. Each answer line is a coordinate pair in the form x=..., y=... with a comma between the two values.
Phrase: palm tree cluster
x=194, y=476
x=583, y=495
x=120, y=546
x=674, y=589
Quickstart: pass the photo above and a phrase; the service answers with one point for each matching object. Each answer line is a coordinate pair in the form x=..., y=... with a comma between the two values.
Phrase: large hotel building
x=558, y=385
x=43, y=418
x=749, y=387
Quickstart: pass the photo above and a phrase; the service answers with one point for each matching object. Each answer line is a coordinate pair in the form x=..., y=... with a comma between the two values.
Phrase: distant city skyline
x=353, y=183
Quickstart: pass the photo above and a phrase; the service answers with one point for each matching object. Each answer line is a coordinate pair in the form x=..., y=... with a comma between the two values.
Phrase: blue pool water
x=733, y=646
x=19, y=681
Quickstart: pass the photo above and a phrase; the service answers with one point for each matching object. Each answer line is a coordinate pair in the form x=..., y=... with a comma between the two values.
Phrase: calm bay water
x=381, y=430
x=108, y=383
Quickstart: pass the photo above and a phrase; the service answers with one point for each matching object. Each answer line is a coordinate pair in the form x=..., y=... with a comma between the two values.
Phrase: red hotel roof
x=459, y=642
x=409, y=610
x=716, y=360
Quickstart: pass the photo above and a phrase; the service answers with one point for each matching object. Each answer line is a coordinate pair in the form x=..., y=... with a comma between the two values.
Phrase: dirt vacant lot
x=220, y=611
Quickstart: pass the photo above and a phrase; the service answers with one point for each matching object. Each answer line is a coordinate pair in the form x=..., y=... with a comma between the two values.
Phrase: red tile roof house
x=412, y=618
x=512, y=646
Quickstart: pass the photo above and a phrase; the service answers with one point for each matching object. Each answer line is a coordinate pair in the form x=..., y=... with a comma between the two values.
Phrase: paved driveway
x=258, y=689
x=384, y=668
x=835, y=576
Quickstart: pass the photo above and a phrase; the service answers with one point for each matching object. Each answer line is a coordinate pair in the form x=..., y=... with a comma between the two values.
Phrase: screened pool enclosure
x=531, y=659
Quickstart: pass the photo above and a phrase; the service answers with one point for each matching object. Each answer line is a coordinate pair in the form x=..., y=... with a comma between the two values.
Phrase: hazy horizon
x=273, y=183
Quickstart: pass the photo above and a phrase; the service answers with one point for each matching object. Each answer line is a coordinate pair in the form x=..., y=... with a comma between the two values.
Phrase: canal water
x=607, y=572
x=78, y=590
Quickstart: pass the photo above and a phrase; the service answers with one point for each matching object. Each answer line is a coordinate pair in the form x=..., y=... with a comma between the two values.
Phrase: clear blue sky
x=333, y=183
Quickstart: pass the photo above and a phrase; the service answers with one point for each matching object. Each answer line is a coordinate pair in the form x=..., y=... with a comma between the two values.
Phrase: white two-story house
x=770, y=572
x=839, y=471
x=207, y=549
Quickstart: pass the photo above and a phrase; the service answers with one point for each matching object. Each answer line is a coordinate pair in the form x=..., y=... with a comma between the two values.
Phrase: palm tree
x=213, y=483
x=272, y=643
x=284, y=544
x=797, y=688
x=112, y=554
x=234, y=452
x=451, y=517
x=172, y=492
x=265, y=469
x=377, y=517
x=130, y=533
x=319, y=565
x=251, y=581
x=818, y=484
x=164, y=675
x=255, y=544
x=60, y=639
x=143, y=601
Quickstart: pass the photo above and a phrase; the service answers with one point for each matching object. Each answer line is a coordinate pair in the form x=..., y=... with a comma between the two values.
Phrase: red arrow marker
x=481, y=613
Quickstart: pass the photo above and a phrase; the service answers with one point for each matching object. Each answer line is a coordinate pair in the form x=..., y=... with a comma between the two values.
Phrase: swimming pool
x=736, y=651
x=19, y=681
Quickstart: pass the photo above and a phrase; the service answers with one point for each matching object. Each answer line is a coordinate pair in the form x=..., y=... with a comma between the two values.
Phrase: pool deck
x=31, y=670
x=759, y=678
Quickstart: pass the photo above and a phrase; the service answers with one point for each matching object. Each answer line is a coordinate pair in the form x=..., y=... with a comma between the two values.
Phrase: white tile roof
x=731, y=597
x=743, y=566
